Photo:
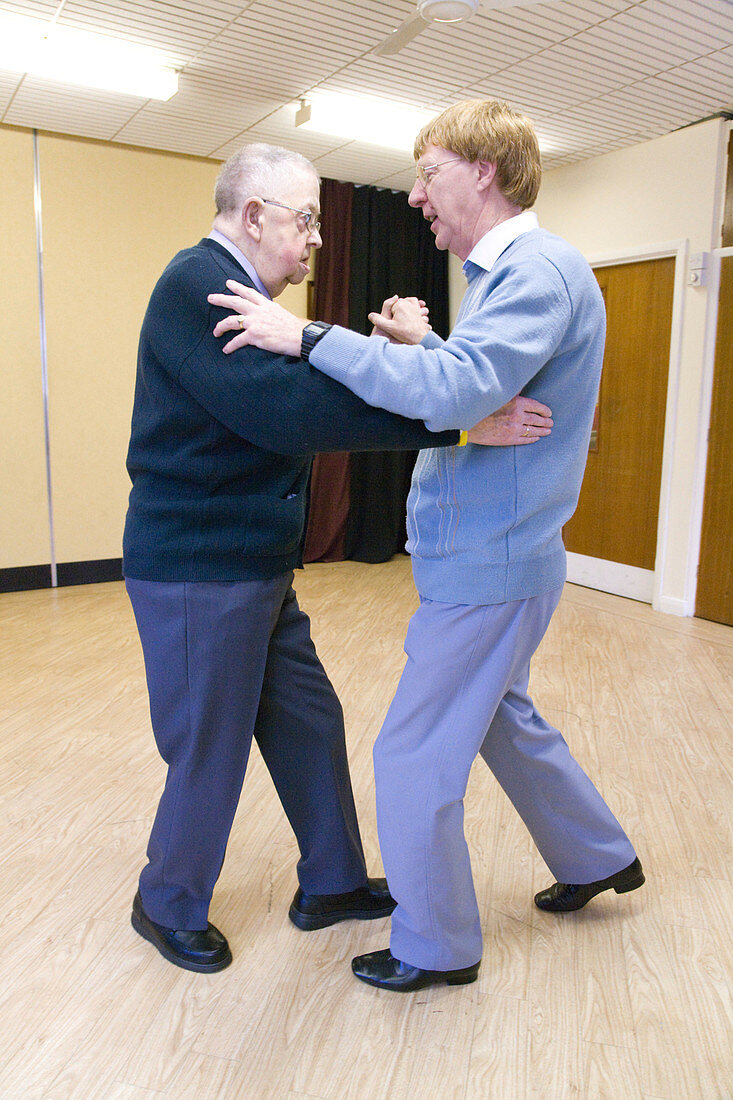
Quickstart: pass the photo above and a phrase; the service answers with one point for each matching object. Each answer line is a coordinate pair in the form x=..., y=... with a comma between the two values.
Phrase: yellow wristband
x=463, y=439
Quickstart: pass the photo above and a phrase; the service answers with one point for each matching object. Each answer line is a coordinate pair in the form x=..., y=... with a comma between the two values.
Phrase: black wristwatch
x=312, y=333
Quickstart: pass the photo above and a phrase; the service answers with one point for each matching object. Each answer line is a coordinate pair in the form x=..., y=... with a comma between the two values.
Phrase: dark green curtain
x=392, y=252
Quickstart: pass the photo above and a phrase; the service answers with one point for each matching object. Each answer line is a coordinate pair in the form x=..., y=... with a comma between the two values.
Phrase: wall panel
x=24, y=537
x=113, y=217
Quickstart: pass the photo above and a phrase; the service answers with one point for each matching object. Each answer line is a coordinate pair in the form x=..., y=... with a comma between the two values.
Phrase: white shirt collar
x=239, y=256
x=492, y=244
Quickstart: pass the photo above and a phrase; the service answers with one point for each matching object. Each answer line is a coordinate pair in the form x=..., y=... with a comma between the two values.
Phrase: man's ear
x=486, y=174
x=251, y=215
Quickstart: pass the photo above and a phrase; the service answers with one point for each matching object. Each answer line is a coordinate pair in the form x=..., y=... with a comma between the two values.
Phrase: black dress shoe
x=206, y=951
x=565, y=897
x=310, y=911
x=382, y=969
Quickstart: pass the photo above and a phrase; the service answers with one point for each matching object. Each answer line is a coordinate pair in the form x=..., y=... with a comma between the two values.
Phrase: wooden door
x=715, y=572
x=618, y=511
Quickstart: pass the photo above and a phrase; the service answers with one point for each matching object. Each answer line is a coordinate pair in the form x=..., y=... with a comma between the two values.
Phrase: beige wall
x=112, y=218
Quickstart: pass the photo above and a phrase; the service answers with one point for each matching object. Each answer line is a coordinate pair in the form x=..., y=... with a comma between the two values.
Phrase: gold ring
x=241, y=318
x=526, y=429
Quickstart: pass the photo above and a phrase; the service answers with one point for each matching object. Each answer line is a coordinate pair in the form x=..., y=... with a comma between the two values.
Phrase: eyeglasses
x=307, y=215
x=425, y=172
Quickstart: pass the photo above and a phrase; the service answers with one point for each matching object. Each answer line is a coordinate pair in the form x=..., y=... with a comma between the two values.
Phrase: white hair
x=256, y=169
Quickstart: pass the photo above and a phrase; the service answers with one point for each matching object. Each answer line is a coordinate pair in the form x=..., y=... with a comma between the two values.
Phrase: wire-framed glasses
x=309, y=223
x=425, y=172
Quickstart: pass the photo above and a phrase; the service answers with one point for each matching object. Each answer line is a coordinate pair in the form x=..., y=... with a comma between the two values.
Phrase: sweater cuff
x=431, y=340
x=325, y=358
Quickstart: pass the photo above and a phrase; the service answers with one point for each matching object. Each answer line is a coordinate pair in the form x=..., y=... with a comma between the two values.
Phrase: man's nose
x=417, y=195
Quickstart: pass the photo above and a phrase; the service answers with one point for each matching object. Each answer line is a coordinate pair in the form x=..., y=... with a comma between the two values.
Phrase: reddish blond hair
x=490, y=130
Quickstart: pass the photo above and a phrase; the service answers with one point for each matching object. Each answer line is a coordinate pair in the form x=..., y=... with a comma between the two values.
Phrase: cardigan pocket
x=256, y=526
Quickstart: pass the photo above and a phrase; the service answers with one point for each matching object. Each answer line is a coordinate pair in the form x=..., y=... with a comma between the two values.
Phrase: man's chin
x=435, y=229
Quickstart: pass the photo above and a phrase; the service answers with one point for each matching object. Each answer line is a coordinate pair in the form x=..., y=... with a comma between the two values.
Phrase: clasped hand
x=402, y=320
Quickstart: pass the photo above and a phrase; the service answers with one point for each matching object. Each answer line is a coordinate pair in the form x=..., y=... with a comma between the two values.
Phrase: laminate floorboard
x=629, y=999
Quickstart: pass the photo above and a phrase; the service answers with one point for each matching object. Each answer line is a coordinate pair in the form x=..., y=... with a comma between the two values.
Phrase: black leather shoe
x=565, y=897
x=206, y=951
x=382, y=969
x=310, y=911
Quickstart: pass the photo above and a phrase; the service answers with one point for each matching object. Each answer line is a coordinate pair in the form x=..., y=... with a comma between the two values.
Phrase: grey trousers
x=463, y=692
x=226, y=662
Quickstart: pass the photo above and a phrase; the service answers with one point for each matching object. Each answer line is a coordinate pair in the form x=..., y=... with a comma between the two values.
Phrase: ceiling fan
x=435, y=11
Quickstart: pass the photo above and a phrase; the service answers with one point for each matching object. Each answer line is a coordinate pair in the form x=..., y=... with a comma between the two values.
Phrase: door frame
x=626, y=580
x=717, y=255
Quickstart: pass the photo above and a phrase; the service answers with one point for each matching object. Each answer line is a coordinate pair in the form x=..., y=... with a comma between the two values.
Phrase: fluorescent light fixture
x=82, y=58
x=364, y=118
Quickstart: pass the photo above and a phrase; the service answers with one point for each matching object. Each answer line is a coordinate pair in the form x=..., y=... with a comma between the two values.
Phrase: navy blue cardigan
x=221, y=445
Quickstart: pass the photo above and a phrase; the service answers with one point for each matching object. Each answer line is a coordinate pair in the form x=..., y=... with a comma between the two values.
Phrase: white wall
x=660, y=196
x=629, y=203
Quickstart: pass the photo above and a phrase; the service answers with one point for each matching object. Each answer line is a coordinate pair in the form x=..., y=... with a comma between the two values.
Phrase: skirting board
x=27, y=577
x=611, y=576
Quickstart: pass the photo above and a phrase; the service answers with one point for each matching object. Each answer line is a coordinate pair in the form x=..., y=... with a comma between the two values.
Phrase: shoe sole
x=623, y=888
x=309, y=922
x=199, y=968
x=620, y=888
x=433, y=978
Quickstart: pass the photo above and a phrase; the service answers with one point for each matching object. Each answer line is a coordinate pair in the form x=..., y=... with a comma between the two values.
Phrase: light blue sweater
x=484, y=523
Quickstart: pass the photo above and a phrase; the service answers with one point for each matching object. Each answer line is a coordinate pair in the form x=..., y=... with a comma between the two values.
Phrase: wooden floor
x=630, y=998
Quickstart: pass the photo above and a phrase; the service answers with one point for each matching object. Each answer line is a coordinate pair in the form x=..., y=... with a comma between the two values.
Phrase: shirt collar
x=240, y=257
x=492, y=244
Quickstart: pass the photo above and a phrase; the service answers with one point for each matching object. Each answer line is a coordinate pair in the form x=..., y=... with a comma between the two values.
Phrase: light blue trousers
x=464, y=691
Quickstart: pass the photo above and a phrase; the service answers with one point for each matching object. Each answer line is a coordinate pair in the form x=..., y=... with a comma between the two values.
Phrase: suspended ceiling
x=595, y=75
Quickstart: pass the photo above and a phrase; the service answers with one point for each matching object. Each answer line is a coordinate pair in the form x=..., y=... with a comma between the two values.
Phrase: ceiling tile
x=46, y=105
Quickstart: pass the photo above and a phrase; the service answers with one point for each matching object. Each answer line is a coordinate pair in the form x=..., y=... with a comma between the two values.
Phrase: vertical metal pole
x=44, y=355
